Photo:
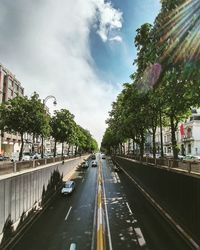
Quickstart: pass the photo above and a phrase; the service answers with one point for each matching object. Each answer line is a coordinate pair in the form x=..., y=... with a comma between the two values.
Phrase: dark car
x=93, y=157
x=85, y=164
x=103, y=157
x=4, y=158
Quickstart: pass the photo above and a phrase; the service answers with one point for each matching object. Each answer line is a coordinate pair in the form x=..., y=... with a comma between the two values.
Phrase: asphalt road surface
x=130, y=222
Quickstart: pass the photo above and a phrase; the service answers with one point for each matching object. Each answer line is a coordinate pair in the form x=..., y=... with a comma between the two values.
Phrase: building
x=187, y=136
x=190, y=137
x=9, y=88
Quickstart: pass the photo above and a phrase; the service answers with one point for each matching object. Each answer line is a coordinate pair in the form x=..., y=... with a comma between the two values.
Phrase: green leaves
x=64, y=129
x=28, y=115
x=167, y=77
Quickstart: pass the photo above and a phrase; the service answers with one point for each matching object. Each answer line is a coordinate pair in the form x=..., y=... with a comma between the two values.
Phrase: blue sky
x=114, y=60
x=80, y=51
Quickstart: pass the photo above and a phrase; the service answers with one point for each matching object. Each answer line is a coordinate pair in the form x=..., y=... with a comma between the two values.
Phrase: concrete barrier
x=177, y=192
x=20, y=192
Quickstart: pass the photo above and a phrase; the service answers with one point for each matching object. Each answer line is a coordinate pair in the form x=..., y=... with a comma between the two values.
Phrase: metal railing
x=187, y=166
x=12, y=167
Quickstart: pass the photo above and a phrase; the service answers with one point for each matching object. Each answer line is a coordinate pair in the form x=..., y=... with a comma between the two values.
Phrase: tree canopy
x=166, y=82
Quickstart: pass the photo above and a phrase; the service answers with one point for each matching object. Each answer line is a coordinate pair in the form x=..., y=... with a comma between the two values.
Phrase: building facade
x=9, y=88
x=187, y=136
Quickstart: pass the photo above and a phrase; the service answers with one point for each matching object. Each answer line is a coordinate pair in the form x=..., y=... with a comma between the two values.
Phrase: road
x=130, y=222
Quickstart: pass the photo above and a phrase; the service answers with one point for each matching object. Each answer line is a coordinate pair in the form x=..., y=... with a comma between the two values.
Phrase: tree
x=40, y=118
x=22, y=115
x=177, y=55
x=63, y=127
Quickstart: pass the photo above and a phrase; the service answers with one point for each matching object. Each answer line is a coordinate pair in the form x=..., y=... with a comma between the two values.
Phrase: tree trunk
x=154, y=143
x=161, y=134
x=121, y=149
x=68, y=149
x=133, y=153
x=22, y=146
x=142, y=144
x=62, y=148
x=76, y=150
x=173, y=135
x=128, y=146
x=33, y=148
x=54, y=154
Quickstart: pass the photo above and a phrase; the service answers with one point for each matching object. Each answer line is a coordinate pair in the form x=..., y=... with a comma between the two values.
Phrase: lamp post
x=44, y=103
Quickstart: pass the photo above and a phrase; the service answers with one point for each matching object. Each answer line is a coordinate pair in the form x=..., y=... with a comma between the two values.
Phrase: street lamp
x=44, y=103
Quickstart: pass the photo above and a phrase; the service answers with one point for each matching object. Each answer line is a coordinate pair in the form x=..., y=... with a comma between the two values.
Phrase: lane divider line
x=140, y=237
x=94, y=220
x=100, y=224
x=68, y=213
x=106, y=212
x=129, y=209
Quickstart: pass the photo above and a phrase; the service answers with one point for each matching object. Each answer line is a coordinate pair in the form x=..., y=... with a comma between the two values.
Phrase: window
x=10, y=83
x=197, y=117
x=189, y=149
x=189, y=132
x=16, y=87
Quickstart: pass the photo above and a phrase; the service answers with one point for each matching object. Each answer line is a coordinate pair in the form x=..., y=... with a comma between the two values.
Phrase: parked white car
x=26, y=156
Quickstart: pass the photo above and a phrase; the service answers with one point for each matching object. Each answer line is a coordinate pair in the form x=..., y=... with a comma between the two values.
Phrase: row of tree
x=28, y=115
x=166, y=83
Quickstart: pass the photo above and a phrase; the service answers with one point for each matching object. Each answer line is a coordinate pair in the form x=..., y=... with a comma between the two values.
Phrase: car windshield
x=67, y=185
x=27, y=153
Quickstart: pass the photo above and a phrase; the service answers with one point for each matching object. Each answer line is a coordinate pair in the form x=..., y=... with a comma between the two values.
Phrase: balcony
x=167, y=143
x=187, y=139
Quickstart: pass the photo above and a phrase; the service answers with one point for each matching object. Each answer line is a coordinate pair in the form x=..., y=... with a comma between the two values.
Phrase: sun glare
x=182, y=32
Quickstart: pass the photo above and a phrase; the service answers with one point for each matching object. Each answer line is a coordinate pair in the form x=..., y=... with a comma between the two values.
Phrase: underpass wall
x=20, y=193
x=178, y=193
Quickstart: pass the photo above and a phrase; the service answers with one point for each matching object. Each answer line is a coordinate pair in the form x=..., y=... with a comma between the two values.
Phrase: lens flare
x=181, y=33
x=150, y=76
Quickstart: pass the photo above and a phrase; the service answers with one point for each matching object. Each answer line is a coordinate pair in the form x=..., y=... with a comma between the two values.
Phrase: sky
x=80, y=51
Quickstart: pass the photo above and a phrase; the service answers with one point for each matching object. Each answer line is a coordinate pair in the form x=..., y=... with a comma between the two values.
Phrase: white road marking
x=107, y=220
x=68, y=213
x=129, y=209
x=140, y=236
x=94, y=220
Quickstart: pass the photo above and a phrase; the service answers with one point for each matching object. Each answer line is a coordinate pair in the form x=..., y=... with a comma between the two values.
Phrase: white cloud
x=109, y=19
x=116, y=39
x=45, y=43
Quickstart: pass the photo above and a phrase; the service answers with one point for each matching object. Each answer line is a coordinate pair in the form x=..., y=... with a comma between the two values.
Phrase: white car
x=26, y=156
x=68, y=187
x=94, y=163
